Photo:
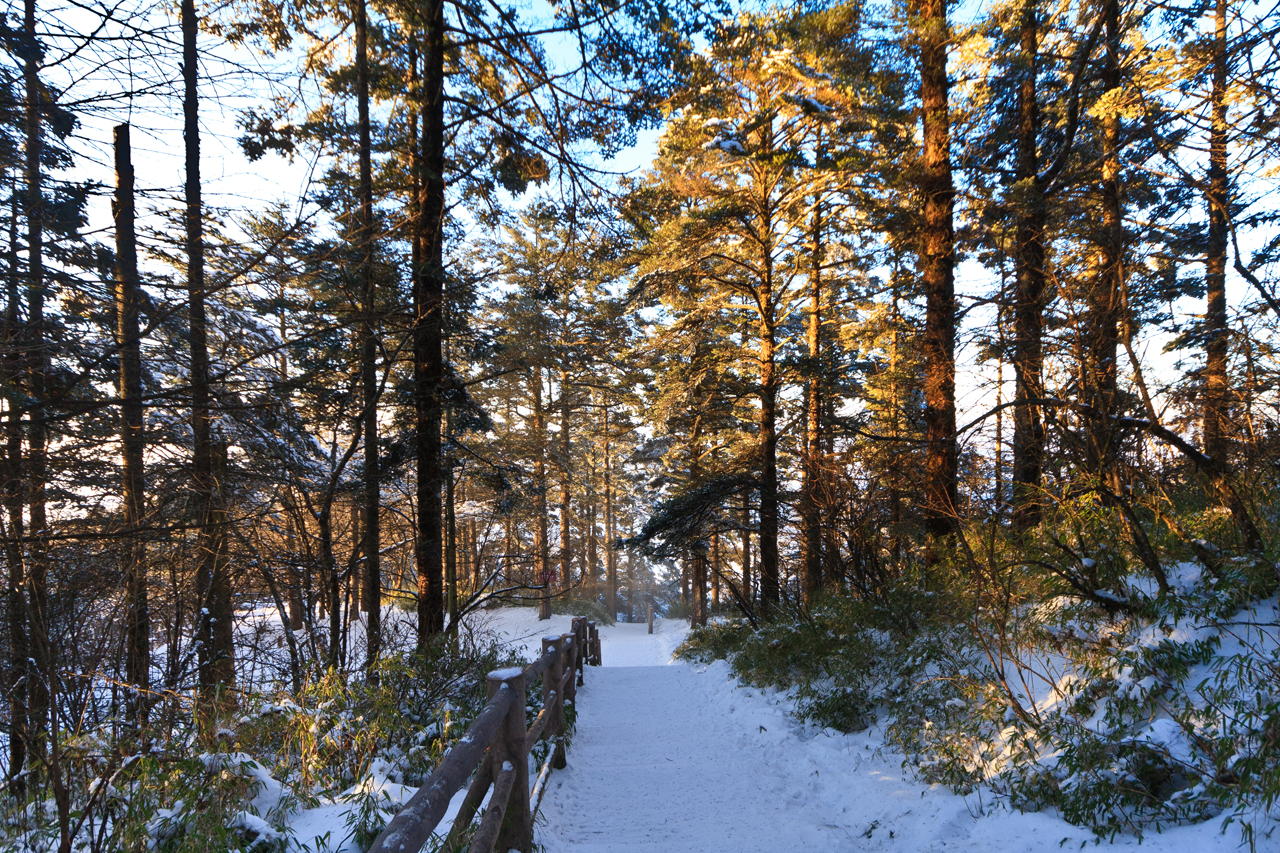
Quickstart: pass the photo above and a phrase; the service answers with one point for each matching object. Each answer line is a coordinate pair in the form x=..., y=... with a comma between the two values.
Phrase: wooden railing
x=499, y=744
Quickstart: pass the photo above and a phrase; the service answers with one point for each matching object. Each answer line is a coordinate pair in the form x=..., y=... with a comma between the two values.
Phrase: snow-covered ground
x=671, y=757
x=679, y=758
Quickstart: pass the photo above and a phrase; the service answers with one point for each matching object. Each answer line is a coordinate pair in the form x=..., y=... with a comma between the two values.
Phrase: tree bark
x=715, y=571
x=40, y=679
x=137, y=621
x=372, y=545
x=748, y=590
x=610, y=555
x=810, y=526
x=768, y=520
x=566, y=552
x=1103, y=297
x=19, y=642
x=215, y=662
x=1028, y=310
x=450, y=552
x=428, y=330
x=697, y=562
x=591, y=549
x=299, y=586
x=1218, y=199
x=938, y=277
x=542, y=556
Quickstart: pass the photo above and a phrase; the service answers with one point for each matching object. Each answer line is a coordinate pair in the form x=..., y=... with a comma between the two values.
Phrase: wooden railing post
x=570, y=693
x=593, y=643
x=509, y=751
x=650, y=618
x=580, y=640
x=553, y=698
x=574, y=652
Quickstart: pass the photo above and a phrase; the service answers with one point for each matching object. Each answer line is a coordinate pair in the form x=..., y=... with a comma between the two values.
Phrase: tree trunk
x=1028, y=311
x=37, y=434
x=329, y=576
x=428, y=330
x=353, y=575
x=1218, y=199
x=137, y=622
x=450, y=552
x=748, y=591
x=631, y=587
x=19, y=642
x=832, y=569
x=464, y=538
x=299, y=585
x=769, y=587
x=715, y=571
x=698, y=585
x=697, y=562
x=372, y=545
x=591, y=559
x=215, y=670
x=938, y=277
x=1103, y=297
x=216, y=614
x=542, y=555
x=566, y=552
x=810, y=527
x=610, y=555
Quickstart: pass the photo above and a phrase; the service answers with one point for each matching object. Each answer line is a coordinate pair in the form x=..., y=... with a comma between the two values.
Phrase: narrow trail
x=653, y=767
x=672, y=758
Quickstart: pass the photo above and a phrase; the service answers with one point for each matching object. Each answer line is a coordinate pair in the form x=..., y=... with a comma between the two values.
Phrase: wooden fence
x=499, y=744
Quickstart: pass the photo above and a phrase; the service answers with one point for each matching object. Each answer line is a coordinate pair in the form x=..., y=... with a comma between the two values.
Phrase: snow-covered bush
x=341, y=738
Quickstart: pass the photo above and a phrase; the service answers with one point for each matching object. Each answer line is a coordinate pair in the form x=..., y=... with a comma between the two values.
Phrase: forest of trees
x=904, y=299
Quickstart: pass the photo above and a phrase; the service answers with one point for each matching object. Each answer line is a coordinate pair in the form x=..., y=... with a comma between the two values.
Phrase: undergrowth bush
x=274, y=754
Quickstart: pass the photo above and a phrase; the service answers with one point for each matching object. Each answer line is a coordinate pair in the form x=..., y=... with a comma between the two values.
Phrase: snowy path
x=651, y=769
x=673, y=758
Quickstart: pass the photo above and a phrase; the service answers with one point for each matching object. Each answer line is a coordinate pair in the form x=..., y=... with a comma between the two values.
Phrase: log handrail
x=494, y=752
